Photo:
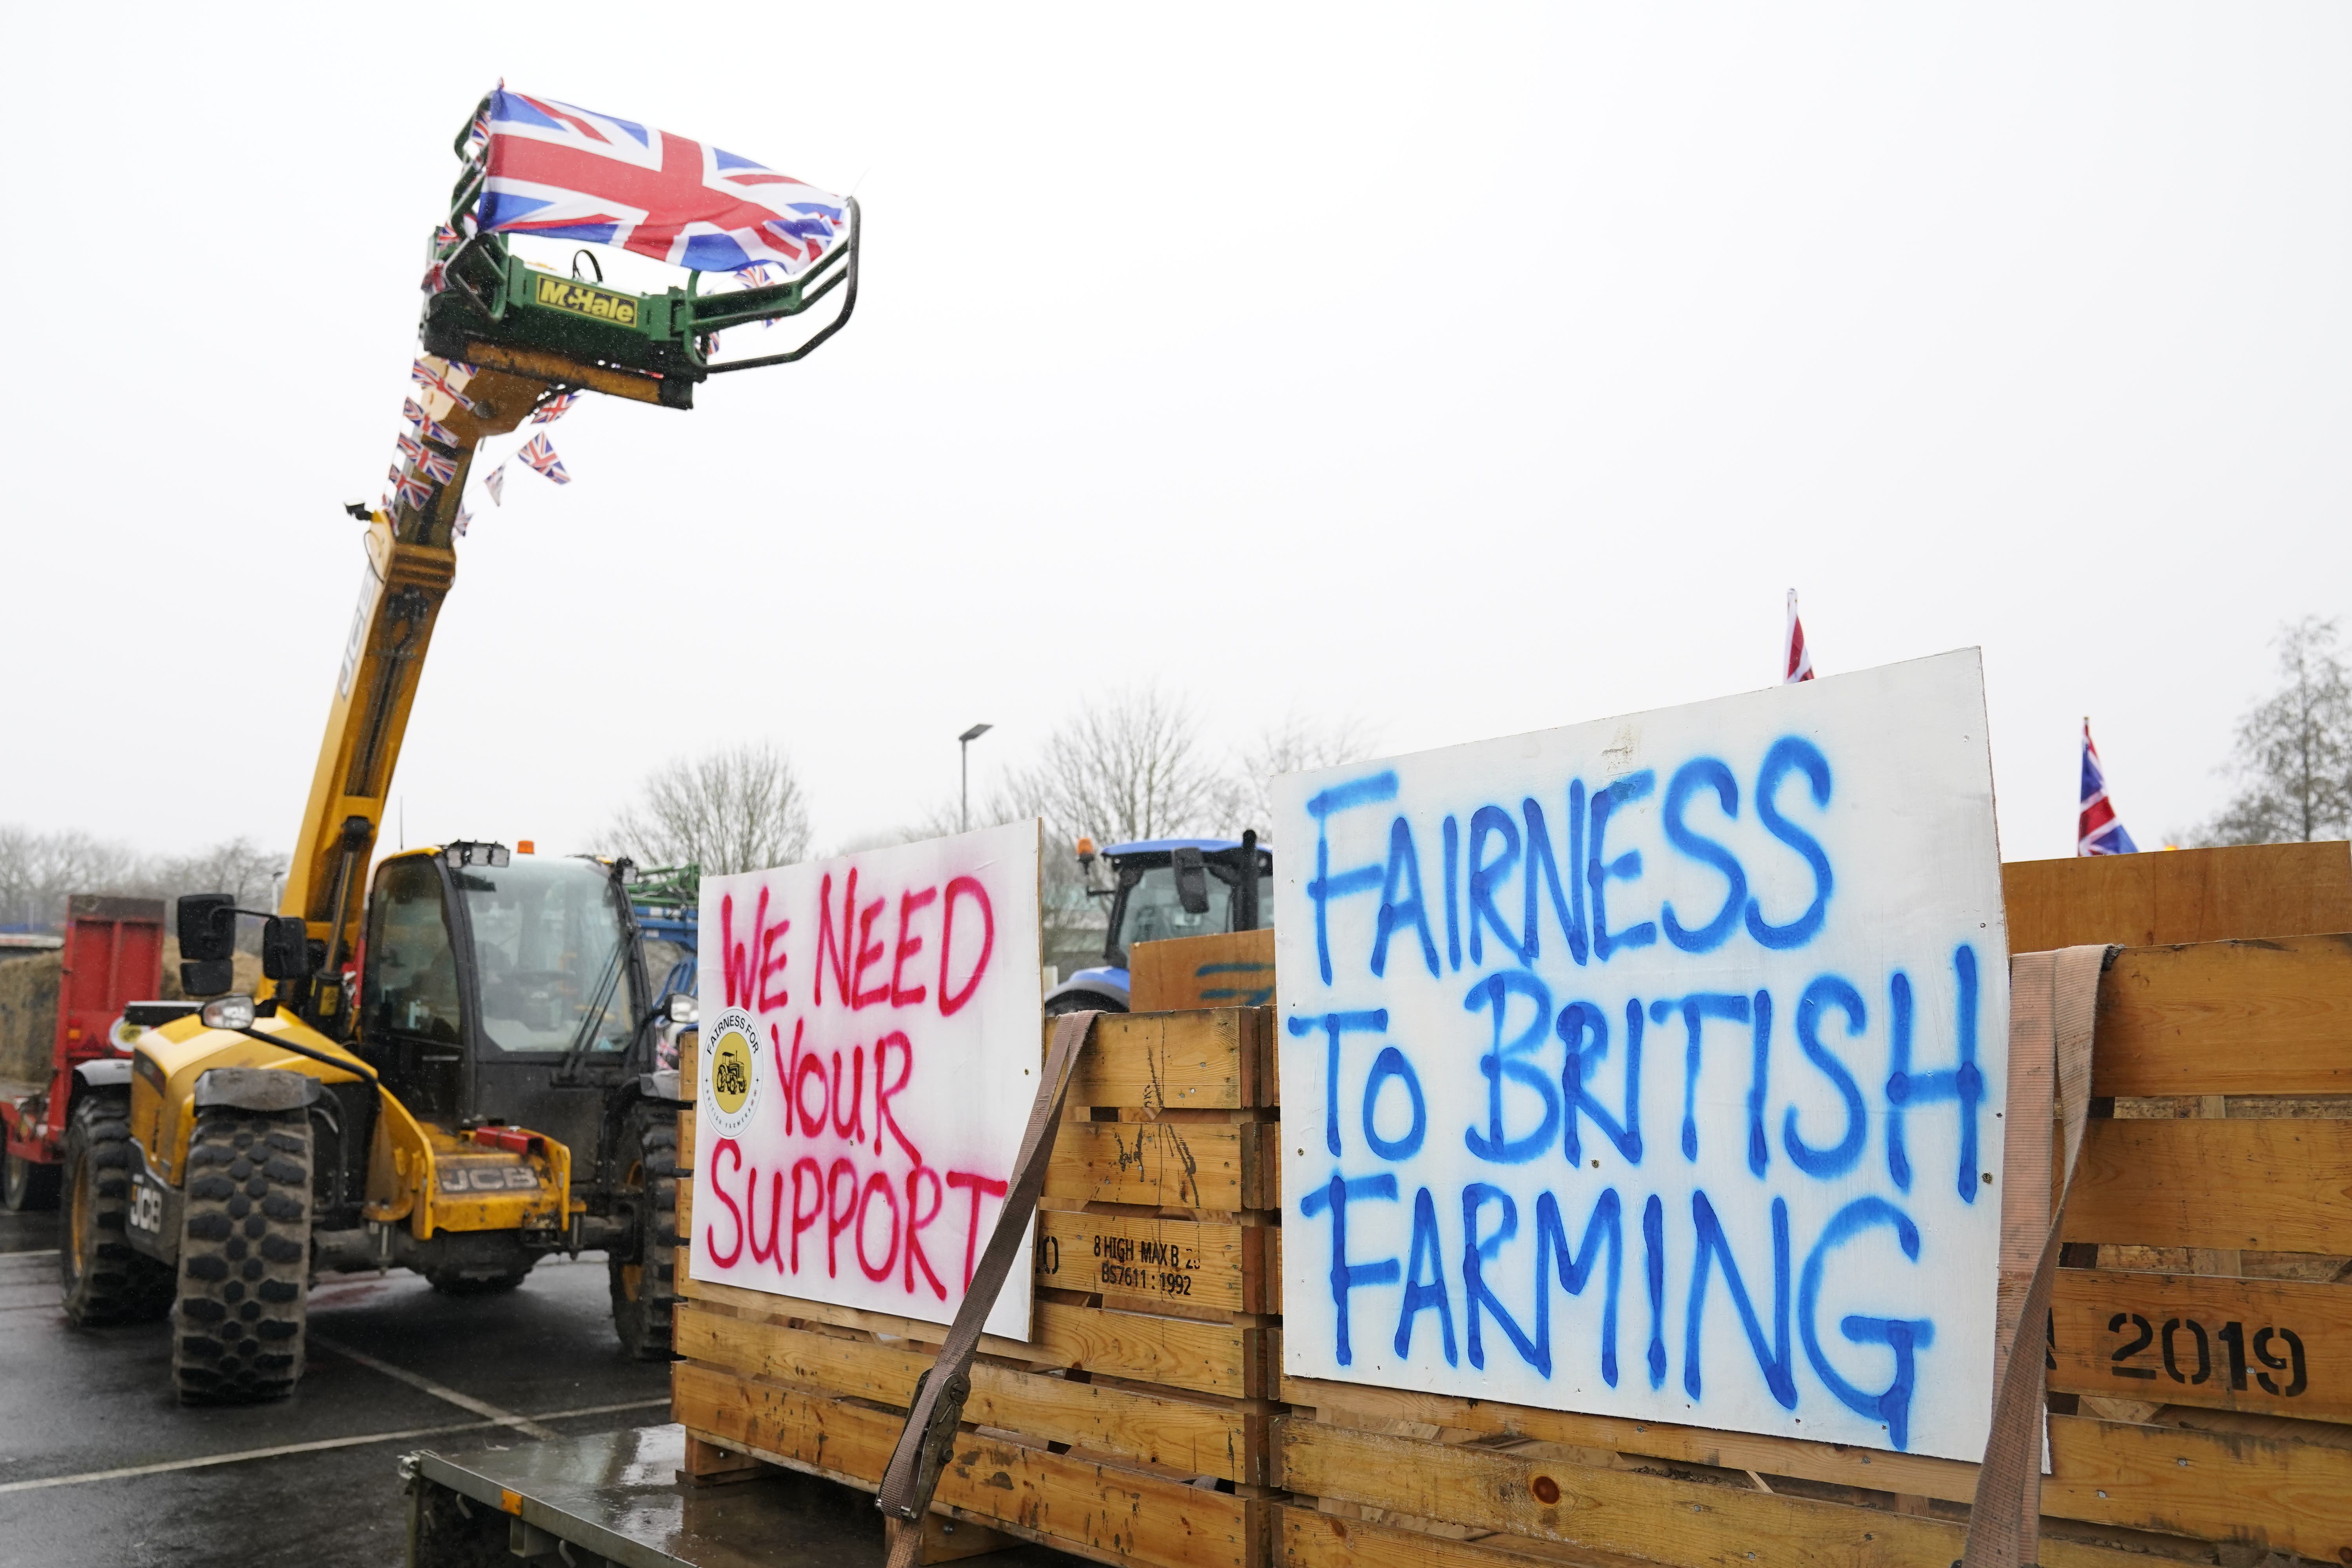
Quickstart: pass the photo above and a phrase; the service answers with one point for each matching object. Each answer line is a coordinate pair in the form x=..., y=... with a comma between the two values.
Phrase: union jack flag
x=438, y=466
x=495, y=482
x=465, y=520
x=539, y=454
x=412, y=411
x=438, y=374
x=567, y=172
x=2098, y=831
x=411, y=448
x=414, y=492
x=395, y=474
x=554, y=408
x=1797, y=660
x=433, y=430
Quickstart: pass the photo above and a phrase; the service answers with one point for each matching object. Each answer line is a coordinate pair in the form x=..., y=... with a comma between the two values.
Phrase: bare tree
x=2294, y=751
x=740, y=808
x=39, y=871
x=1295, y=743
x=1128, y=765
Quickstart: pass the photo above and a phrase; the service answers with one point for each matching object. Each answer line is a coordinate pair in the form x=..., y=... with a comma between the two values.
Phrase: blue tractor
x=1162, y=888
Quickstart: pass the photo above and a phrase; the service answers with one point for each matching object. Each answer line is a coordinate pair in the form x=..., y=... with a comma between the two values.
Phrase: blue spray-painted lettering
x=1962, y=1084
x=1390, y=1063
x=1403, y=876
x=1696, y=1008
x=1903, y=1336
x=1346, y=1275
x=1570, y=915
x=1486, y=875
x=1495, y=992
x=1477, y=1301
x=1334, y=1025
x=1599, y=869
x=1654, y=1268
x=1583, y=1028
x=1453, y=894
x=1425, y=1295
x=1699, y=774
x=1368, y=791
x=1576, y=1268
x=1829, y=991
x=1780, y=1375
x=1788, y=753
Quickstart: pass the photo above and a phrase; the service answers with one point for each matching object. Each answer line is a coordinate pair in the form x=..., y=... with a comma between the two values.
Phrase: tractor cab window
x=410, y=986
x=550, y=954
x=1154, y=911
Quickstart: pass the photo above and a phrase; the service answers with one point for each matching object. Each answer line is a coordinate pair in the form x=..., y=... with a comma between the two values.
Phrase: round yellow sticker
x=731, y=1071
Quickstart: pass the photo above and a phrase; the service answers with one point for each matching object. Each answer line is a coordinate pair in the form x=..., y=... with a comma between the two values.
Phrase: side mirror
x=1191, y=881
x=207, y=923
x=684, y=1009
x=285, y=948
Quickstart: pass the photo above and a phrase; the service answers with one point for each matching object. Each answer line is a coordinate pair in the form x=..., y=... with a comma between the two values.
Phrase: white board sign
x=870, y=1052
x=1656, y=1067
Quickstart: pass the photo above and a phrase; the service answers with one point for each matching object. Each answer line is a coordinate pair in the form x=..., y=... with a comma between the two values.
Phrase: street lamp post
x=963, y=749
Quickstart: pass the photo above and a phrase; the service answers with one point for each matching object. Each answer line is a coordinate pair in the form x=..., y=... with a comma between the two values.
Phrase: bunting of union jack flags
x=541, y=455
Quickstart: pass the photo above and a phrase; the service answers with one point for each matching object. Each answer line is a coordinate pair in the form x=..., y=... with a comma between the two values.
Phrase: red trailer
x=113, y=955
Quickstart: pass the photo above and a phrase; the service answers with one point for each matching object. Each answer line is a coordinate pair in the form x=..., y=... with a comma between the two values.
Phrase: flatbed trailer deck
x=614, y=1500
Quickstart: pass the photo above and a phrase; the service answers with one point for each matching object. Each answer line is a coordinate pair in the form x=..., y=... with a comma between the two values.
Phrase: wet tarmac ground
x=99, y=1465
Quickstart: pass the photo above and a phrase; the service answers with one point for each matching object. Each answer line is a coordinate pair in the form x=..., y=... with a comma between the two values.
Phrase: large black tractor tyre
x=29, y=1186
x=104, y=1281
x=1083, y=1002
x=245, y=1257
x=643, y=1269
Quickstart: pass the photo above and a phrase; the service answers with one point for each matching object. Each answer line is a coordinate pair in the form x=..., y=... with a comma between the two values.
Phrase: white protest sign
x=1656, y=1067
x=870, y=1052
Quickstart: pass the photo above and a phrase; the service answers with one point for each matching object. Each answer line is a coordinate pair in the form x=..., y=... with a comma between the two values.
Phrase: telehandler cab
x=457, y=1073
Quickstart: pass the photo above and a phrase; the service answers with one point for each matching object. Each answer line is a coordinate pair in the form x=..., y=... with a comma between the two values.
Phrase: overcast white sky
x=1472, y=370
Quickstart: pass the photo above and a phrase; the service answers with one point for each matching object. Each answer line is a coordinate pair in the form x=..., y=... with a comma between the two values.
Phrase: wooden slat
x=1656, y=1517
x=1204, y=1061
x=1172, y=1164
x=1949, y=1478
x=1307, y=1539
x=2166, y=1479
x=2227, y=1017
x=2086, y=1301
x=1199, y=1263
x=1229, y=969
x=1204, y=1439
x=1212, y=1358
x=2278, y=1493
x=2273, y=1185
x=1110, y=1513
x=2188, y=895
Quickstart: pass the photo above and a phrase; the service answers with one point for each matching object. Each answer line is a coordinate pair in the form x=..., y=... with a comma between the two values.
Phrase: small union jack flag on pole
x=433, y=430
x=542, y=456
x=411, y=448
x=554, y=408
x=412, y=411
x=413, y=492
x=438, y=466
x=1797, y=660
x=495, y=482
x=2098, y=831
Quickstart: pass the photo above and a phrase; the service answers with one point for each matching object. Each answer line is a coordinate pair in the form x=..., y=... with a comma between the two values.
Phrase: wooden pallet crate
x=1137, y=1428
x=2209, y=1228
